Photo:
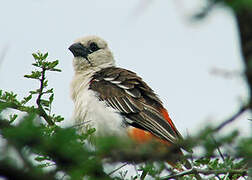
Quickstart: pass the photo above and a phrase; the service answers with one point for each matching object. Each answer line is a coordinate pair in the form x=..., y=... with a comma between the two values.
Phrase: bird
x=114, y=100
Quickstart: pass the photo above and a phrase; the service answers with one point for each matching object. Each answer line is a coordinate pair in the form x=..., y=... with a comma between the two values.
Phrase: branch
x=217, y=147
x=38, y=101
x=235, y=116
x=47, y=118
x=207, y=172
x=13, y=105
x=112, y=172
x=27, y=109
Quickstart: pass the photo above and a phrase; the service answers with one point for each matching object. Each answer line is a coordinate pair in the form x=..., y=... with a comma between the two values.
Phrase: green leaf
x=48, y=91
x=57, y=118
x=10, y=97
x=26, y=99
x=45, y=83
x=214, y=164
x=44, y=102
x=35, y=64
x=44, y=165
x=42, y=158
x=13, y=117
x=203, y=161
x=35, y=56
x=35, y=92
x=89, y=132
x=45, y=56
x=34, y=75
x=53, y=64
x=51, y=98
x=54, y=69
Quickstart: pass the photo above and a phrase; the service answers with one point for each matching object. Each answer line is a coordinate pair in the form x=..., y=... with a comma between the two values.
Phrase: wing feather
x=124, y=91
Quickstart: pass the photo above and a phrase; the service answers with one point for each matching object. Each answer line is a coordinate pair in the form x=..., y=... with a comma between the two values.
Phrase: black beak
x=79, y=50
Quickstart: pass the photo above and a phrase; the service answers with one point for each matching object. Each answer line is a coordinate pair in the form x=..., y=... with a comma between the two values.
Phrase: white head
x=91, y=52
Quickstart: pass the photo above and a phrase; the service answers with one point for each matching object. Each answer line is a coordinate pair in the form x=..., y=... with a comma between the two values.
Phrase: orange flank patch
x=162, y=146
x=140, y=135
x=167, y=117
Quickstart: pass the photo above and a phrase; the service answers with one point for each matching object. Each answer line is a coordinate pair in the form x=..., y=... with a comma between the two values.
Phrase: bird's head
x=91, y=52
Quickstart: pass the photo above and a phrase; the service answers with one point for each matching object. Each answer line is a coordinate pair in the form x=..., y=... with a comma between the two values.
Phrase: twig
x=112, y=172
x=235, y=116
x=45, y=116
x=80, y=124
x=218, y=148
x=207, y=172
x=38, y=101
x=171, y=170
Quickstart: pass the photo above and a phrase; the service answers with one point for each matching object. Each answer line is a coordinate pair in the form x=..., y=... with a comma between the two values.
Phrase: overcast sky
x=173, y=55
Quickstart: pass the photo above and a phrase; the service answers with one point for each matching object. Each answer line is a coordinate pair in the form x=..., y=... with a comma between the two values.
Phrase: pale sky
x=173, y=55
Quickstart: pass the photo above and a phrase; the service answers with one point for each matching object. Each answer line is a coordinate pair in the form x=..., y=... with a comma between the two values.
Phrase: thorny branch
x=244, y=172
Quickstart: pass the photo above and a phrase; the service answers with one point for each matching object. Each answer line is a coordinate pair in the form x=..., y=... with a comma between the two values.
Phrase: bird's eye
x=93, y=47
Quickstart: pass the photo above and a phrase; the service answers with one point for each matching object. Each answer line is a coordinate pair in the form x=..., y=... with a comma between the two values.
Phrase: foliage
x=46, y=151
x=43, y=109
x=35, y=147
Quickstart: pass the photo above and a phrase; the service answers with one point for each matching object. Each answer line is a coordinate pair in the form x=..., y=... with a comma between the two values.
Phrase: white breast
x=87, y=108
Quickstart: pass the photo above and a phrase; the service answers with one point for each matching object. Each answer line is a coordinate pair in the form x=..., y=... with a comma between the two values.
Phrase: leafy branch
x=43, y=109
x=70, y=156
x=68, y=152
x=242, y=172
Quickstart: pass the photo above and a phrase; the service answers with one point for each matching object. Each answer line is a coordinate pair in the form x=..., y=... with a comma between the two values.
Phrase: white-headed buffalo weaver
x=114, y=100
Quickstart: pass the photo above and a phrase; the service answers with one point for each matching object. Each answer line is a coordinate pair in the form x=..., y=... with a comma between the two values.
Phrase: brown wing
x=124, y=91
